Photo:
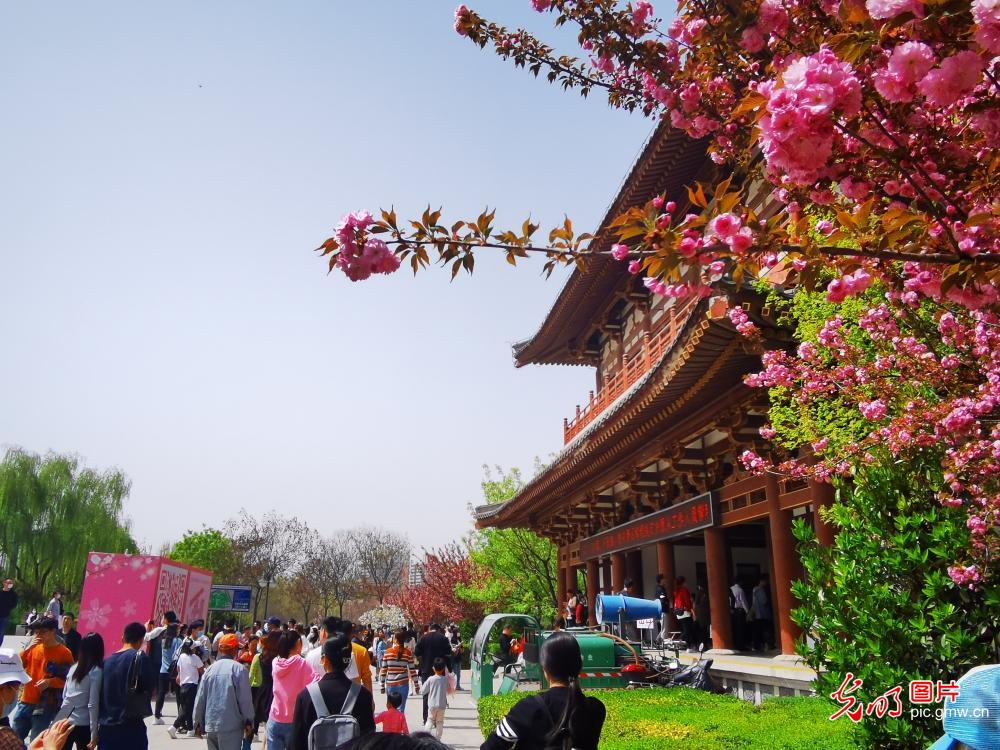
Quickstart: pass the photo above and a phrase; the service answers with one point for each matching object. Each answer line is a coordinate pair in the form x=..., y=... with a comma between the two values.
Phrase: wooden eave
x=668, y=163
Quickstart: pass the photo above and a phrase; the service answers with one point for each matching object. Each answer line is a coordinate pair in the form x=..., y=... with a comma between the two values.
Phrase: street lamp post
x=265, y=583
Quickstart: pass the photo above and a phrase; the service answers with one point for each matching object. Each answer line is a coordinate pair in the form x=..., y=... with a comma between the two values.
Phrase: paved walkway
x=461, y=725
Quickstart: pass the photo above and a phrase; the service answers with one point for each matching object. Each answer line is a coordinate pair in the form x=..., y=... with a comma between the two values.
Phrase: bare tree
x=381, y=556
x=335, y=568
x=270, y=547
x=303, y=590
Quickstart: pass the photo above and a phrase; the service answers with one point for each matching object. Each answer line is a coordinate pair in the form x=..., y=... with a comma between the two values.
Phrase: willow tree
x=519, y=566
x=54, y=512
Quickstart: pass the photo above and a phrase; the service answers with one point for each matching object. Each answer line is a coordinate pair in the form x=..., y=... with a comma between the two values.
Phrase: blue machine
x=620, y=608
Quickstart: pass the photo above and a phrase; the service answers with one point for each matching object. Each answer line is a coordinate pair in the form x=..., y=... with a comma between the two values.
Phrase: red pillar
x=785, y=563
x=823, y=494
x=718, y=588
x=665, y=566
x=593, y=588
x=617, y=571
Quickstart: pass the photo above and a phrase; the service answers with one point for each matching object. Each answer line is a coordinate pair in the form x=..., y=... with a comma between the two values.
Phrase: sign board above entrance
x=678, y=520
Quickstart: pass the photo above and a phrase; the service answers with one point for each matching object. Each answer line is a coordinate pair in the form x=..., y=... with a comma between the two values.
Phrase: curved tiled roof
x=669, y=161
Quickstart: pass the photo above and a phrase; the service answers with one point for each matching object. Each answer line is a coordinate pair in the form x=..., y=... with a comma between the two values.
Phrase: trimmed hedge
x=696, y=720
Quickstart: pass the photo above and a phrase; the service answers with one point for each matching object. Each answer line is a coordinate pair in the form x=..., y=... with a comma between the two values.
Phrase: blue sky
x=168, y=170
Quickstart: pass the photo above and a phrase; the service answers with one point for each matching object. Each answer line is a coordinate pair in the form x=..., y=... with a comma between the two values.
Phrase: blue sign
x=230, y=598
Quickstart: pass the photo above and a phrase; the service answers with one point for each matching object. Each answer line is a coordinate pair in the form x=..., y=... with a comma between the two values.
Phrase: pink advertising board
x=120, y=589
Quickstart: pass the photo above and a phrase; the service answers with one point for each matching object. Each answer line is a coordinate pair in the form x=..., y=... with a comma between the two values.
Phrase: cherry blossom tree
x=434, y=598
x=874, y=126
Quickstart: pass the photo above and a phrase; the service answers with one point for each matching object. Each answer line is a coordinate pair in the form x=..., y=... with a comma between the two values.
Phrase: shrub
x=695, y=720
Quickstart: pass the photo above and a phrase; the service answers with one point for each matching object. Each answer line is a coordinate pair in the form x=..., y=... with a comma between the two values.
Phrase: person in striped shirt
x=398, y=670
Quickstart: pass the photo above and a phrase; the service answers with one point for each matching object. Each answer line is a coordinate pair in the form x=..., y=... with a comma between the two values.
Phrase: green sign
x=230, y=598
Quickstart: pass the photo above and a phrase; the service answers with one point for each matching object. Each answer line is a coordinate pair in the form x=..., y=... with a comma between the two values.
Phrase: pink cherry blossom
x=881, y=9
x=752, y=40
x=848, y=286
x=641, y=13
x=740, y=319
x=955, y=77
x=461, y=16
x=910, y=61
x=725, y=225
x=986, y=14
x=619, y=251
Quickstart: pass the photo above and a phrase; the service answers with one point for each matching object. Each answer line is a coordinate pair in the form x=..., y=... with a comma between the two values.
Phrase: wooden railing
x=651, y=351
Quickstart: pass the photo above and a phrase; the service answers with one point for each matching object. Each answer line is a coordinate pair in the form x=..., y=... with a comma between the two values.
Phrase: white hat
x=11, y=669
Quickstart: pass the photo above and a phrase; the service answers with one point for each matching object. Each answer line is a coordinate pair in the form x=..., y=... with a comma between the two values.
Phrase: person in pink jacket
x=291, y=675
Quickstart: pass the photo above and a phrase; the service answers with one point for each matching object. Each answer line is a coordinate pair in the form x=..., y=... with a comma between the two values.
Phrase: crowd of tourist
x=285, y=684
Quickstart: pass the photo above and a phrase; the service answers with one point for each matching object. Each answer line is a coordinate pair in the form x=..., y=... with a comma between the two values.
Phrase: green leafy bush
x=695, y=720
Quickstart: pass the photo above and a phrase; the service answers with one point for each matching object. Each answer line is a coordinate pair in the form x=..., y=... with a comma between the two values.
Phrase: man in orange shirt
x=362, y=660
x=46, y=661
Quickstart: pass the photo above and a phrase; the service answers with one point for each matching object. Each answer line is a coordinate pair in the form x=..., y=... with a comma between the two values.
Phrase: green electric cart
x=605, y=660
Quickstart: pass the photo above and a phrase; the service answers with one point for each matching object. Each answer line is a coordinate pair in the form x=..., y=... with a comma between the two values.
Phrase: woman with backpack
x=558, y=719
x=190, y=668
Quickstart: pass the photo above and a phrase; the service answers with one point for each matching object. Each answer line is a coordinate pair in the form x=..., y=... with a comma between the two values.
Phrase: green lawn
x=695, y=720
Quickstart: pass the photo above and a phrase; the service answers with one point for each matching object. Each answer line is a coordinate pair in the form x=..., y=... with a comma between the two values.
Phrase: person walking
x=69, y=635
x=739, y=609
x=393, y=720
x=663, y=597
x=170, y=644
x=435, y=691
x=47, y=661
x=702, y=615
x=334, y=688
x=398, y=670
x=201, y=645
x=126, y=692
x=571, y=609
x=506, y=643
x=223, y=712
x=760, y=609
x=684, y=612
x=291, y=674
x=265, y=692
x=431, y=647
x=246, y=654
x=560, y=717
x=82, y=694
x=457, y=648
x=190, y=668
x=55, y=609
x=361, y=663
x=8, y=602
x=228, y=626
x=380, y=645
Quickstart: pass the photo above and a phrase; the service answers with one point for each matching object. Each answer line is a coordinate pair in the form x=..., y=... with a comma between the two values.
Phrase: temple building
x=649, y=480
